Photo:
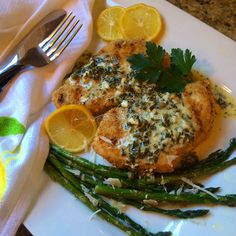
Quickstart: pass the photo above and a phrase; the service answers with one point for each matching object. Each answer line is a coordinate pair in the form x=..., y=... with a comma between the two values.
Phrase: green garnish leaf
x=182, y=60
x=172, y=82
x=151, y=75
x=150, y=67
x=156, y=54
x=139, y=62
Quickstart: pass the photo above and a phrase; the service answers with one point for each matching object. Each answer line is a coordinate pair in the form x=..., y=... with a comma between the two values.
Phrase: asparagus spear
x=142, y=183
x=214, y=158
x=97, y=170
x=84, y=178
x=96, y=179
x=127, y=183
x=136, y=195
x=203, y=168
x=190, y=173
x=206, y=170
x=99, y=201
x=219, y=155
x=103, y=214
x=171, y=212
x=76, y=161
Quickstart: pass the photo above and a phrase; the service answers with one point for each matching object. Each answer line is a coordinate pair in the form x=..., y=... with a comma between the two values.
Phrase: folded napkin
x=25, y=103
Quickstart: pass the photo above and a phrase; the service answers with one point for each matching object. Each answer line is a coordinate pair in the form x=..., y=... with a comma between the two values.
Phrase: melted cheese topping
x=99, y=75
x=155, y=122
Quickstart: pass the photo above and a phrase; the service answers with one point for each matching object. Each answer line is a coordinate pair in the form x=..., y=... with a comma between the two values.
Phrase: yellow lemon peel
x=108, y=23
x=71, y=127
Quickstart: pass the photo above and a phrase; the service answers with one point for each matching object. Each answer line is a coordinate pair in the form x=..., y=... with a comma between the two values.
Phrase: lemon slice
x=108, y=23
x=71, y=127
x=141, y=22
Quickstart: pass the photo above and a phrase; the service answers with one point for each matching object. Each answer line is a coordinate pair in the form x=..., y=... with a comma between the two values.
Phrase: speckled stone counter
x=219, y=14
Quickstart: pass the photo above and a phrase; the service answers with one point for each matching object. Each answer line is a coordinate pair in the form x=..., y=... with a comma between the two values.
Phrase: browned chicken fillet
x=112, y=135
x=102, y=79
x=143, y=129
x=90, y=87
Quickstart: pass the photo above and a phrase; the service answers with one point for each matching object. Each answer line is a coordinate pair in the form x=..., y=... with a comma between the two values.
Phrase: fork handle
x=9, y=73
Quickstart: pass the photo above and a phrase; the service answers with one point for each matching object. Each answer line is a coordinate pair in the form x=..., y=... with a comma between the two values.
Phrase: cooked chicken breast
x=143, y=129
x=156, y=138
x=99, y=82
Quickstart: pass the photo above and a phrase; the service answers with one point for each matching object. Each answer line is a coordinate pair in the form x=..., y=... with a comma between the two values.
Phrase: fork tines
x=59, y=39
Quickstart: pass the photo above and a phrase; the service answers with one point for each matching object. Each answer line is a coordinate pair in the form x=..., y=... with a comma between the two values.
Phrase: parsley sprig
x=150, y=67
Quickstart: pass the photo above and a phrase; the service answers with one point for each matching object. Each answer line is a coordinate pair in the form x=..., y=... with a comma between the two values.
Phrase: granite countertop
x=219, y=14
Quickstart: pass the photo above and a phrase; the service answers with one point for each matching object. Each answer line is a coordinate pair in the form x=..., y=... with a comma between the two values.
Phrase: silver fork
x=47, y=50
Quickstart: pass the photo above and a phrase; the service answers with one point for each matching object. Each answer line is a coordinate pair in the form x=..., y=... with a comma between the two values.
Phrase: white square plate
x=57, y=212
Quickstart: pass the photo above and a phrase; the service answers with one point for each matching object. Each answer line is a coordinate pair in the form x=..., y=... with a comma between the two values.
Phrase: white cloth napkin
x=25, y=103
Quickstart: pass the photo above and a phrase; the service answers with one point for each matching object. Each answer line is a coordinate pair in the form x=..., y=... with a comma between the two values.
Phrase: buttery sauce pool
x=225, y=109
x=226, y=102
